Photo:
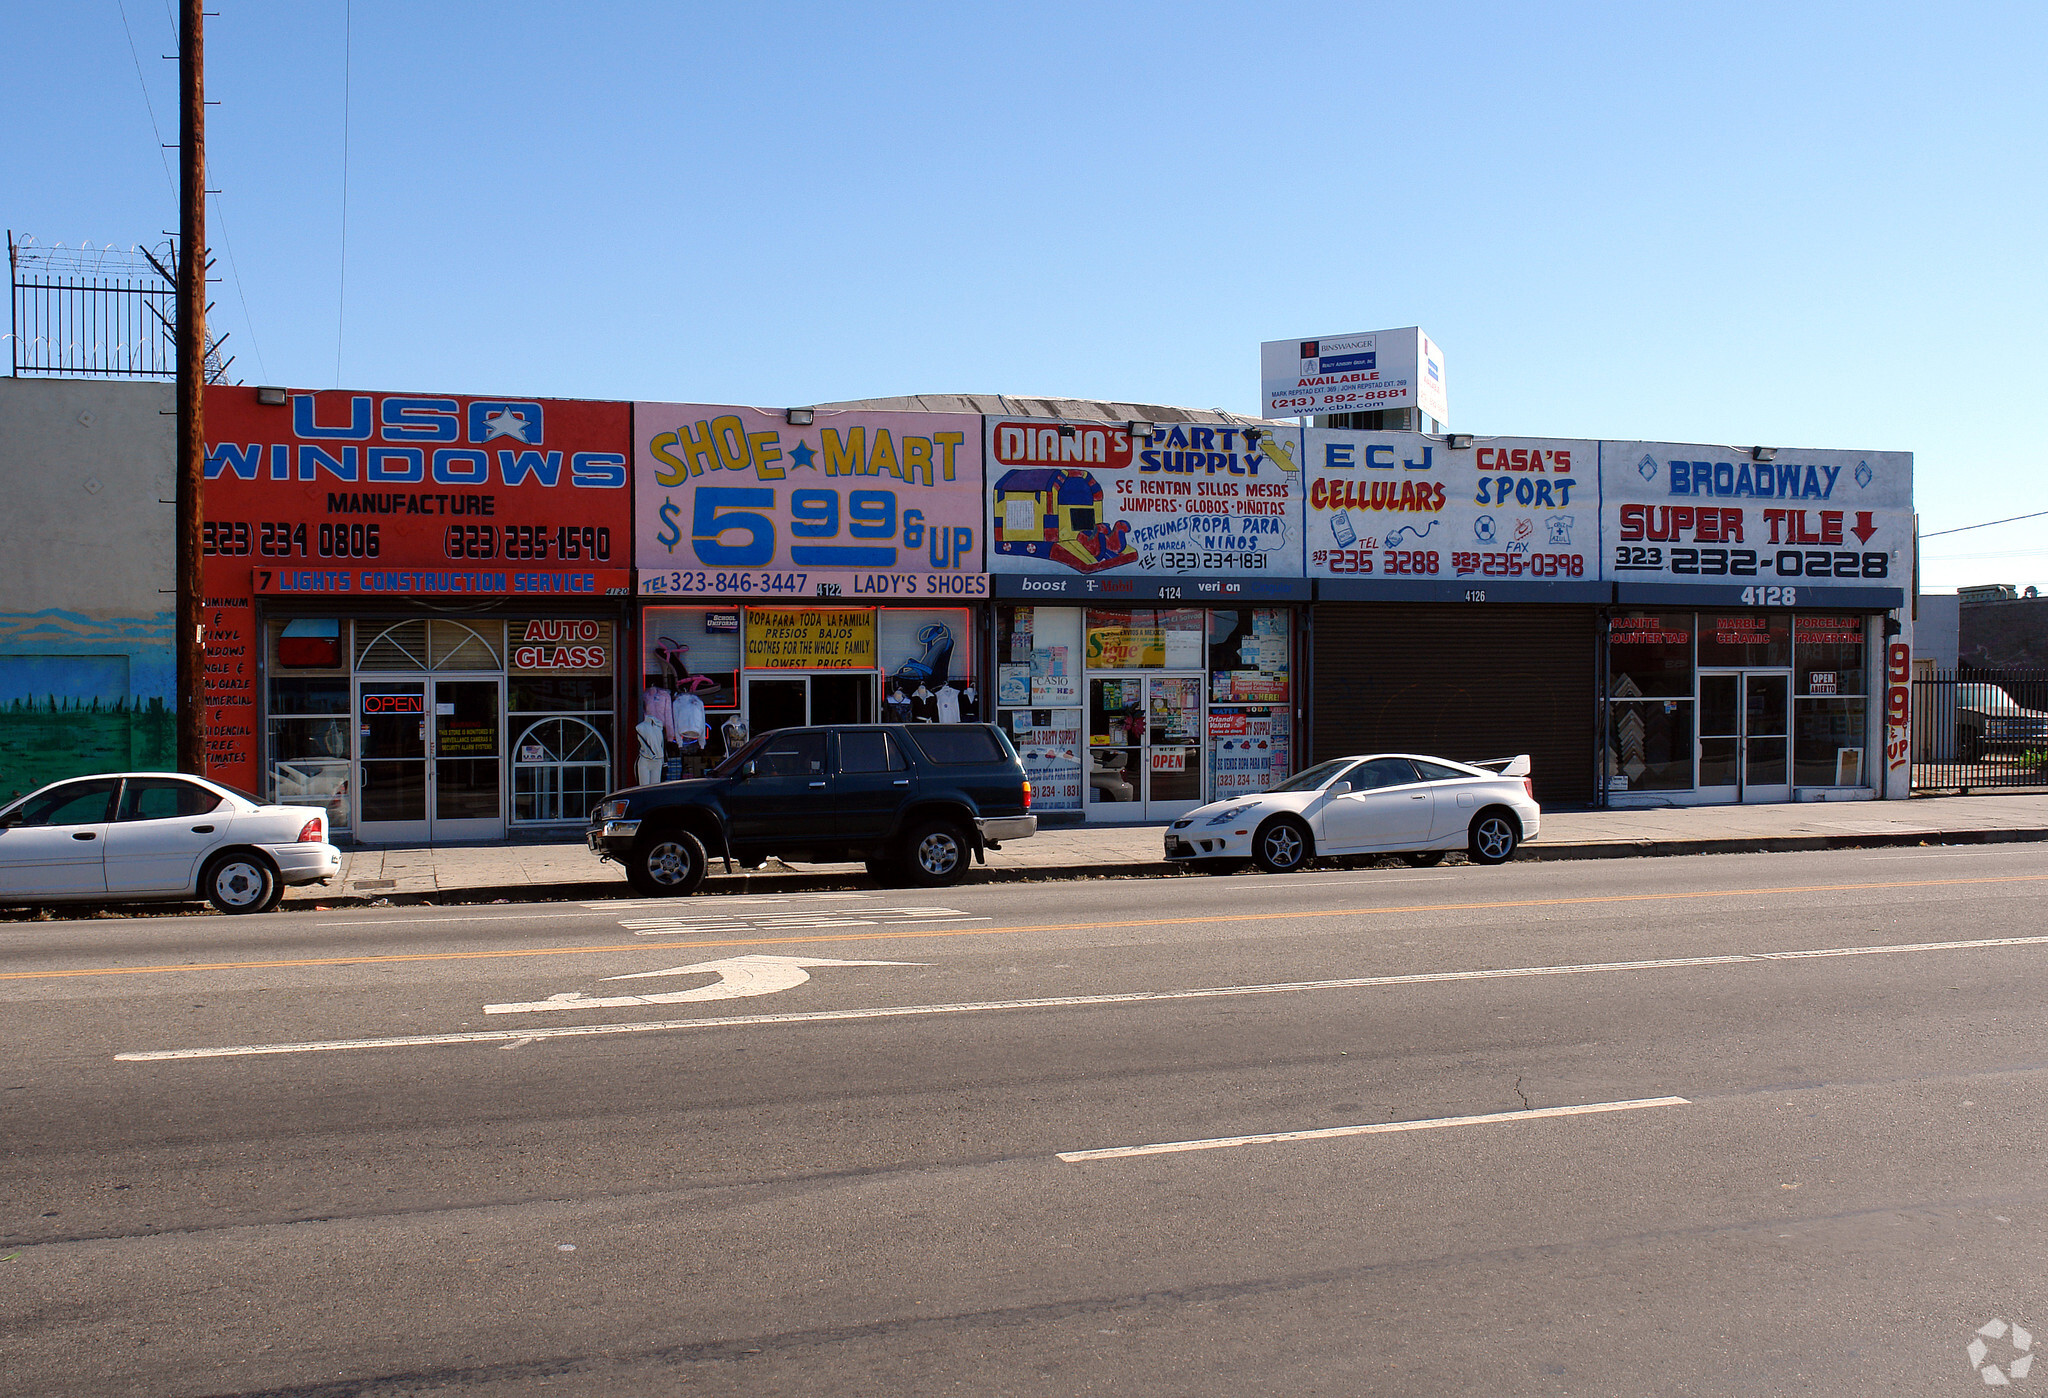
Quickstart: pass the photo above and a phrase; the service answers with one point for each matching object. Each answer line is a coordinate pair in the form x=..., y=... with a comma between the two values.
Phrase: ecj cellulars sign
x=737, y=502
x=1194, y=511
x=1361, y=372
x=1399, y=514
x=1809, y=524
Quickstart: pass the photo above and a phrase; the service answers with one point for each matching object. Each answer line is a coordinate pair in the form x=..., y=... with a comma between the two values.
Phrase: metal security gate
x=1975, y=729
x=1461, y=682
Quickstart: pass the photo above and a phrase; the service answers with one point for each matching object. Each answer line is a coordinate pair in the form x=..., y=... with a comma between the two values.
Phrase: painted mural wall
x=86, y=669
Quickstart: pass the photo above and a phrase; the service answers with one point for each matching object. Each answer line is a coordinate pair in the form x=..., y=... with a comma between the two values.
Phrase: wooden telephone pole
x=191, y=268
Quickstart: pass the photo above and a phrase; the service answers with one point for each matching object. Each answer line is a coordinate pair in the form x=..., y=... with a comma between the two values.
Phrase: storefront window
x=1649, y=655
x=927, y=663
x=558, y=695
x=308, y=716
x=1145, y=639
x=1649, y=745
x=689, y=691
x=1829, y=714
x=1250, y=740
x=1745, y=640
x=1038, y=683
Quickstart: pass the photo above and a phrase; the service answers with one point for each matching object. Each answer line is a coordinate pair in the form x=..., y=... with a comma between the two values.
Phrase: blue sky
x=1783, y=223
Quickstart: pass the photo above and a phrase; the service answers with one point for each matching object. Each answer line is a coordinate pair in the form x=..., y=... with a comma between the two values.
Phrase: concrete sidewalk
x=563, y=870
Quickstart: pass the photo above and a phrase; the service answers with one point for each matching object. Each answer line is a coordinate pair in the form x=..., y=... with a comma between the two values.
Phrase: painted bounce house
x=1056, y=513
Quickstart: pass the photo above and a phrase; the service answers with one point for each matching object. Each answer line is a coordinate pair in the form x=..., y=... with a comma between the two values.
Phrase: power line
x=1964, y=529
x=170, y=183
x=341, y=297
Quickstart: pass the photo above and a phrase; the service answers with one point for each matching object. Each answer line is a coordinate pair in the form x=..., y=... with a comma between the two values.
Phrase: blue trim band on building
x=1596, y=594
x=1865, y=599
x=1049, y=587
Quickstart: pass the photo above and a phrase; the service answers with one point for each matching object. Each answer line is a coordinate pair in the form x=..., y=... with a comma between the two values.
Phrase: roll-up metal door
x=1463, y=682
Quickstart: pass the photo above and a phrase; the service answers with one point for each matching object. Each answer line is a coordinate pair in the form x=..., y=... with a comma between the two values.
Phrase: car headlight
x=613, y=810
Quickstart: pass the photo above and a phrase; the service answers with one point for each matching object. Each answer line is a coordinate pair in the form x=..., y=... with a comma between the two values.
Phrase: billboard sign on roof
x=1362, y=372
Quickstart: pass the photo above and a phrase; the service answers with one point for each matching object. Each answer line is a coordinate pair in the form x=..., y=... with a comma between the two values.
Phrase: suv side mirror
x=751, y=769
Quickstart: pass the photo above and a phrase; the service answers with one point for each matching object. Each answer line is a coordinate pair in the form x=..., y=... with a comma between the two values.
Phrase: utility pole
x=191, y=267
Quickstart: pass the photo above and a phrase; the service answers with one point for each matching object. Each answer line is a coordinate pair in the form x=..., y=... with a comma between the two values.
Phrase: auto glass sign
x=738, y=502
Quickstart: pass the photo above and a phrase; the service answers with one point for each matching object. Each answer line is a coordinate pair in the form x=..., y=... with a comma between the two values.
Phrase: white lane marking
x=738, y=976
x=1060, y=1002
x=473, y=917
x=744, y=900
x=1941, y=854
x=712, y=920
x=1074, y=1157
x=515, y=1044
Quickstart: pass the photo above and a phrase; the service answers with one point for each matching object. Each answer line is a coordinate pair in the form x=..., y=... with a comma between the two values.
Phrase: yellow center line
x=672, y=947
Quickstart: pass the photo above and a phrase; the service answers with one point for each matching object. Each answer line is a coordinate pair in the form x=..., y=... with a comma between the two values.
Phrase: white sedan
x=1385, y=803
x=135, y=836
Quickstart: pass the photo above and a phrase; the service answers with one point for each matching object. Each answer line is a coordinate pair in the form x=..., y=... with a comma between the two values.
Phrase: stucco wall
x=86, y=668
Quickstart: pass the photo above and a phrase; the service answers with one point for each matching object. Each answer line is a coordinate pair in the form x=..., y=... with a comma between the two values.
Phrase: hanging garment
x=924, y=706
x=735, y=731
x=970, y=705
x=947, y=704
x=659, y=705
x=692, y=730
x=896, y=708
x=647, y=766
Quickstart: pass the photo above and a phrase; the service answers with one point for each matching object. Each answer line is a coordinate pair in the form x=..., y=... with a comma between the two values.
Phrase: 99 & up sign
x=736, y=502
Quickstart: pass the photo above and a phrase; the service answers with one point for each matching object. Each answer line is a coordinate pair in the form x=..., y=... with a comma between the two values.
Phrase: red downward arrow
x=1864, y=528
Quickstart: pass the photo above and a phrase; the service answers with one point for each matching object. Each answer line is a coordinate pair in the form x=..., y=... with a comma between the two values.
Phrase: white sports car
x=1385, y=803
x=135, y=836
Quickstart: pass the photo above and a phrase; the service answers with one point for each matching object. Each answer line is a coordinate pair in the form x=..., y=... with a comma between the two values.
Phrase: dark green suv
x=916, y=801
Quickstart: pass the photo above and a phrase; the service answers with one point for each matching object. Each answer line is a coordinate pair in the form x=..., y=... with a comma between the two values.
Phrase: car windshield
x=1316, y=776
x=739, y=757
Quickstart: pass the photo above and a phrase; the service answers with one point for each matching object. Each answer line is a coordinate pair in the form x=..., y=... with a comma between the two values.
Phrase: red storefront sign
x=397, y=497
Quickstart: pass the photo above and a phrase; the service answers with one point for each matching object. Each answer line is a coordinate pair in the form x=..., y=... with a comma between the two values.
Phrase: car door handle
x=202, y=829
x=901, y=781
x=83, y=835
x=817, y=784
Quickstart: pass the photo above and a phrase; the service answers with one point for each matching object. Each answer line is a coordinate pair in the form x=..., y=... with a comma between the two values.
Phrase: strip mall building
x=455, y=617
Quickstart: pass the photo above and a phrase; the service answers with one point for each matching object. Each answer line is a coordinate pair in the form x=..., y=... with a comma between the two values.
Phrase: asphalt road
x=424, y=1151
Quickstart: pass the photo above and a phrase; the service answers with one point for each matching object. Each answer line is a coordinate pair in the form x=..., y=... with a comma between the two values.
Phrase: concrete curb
x=603, y=890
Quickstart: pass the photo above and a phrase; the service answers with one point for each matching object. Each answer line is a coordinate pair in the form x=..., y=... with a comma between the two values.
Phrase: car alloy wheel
x=1282, y=846
x=1493, y=838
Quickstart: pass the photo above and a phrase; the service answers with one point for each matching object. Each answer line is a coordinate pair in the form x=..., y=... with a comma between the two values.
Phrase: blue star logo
x=801, y=454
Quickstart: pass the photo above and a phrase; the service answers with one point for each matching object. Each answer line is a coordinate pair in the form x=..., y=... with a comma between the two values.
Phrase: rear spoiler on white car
x=1506, y=766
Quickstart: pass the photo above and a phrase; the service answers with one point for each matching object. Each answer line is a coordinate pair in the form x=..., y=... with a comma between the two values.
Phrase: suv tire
x=935, y=854
x=668, y=863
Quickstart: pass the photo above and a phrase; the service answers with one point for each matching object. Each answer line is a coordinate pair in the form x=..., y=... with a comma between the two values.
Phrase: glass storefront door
x=431, y=760
x=1745, y=736
x=391, y=785
x=1144, y=746
x=468, y=761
